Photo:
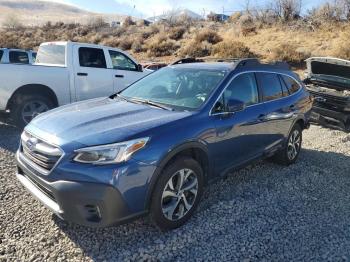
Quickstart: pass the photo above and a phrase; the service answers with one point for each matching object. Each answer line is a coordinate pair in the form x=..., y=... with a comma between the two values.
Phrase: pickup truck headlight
x=110, y=154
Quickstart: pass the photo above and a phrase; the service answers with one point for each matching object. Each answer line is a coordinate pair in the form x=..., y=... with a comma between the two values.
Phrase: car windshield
x=178, y=88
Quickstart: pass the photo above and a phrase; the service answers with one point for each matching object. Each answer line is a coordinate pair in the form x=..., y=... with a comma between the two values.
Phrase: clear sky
x=146, y=8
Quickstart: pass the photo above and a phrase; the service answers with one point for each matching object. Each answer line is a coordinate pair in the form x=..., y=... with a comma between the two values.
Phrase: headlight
x=109, y=154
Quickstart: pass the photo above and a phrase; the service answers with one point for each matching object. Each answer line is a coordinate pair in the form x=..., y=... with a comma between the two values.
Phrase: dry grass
x=161, y=46
x=232, y=49
x=292, y=42
x=209, y=36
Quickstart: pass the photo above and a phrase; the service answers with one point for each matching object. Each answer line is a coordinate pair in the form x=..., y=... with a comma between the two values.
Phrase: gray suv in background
x=17, y=56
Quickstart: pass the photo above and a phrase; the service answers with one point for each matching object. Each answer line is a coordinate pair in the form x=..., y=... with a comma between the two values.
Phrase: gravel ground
x=264, y=212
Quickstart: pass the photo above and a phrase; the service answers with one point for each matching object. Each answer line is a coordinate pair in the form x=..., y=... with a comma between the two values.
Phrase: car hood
x=100, y=121
x=332, y=72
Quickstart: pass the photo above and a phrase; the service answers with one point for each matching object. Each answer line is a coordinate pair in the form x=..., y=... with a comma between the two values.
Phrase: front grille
x=331, y=102
x=43, y=189
x=38, y=152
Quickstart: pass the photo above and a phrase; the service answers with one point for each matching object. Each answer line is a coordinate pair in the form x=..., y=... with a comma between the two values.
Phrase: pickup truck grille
x=329, y=101
x=38, y=153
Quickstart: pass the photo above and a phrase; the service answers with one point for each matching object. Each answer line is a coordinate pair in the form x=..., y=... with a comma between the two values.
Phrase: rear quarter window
x=1, y=53
x=292, y=85
x=270, y=86
x=51, y=54
x=18, y=57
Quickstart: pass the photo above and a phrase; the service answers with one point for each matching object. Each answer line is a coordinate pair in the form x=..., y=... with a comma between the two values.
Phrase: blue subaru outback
x=152, y=148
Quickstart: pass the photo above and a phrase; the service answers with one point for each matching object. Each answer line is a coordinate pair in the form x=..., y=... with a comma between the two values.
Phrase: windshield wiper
x=152, y=103
x=147, y=102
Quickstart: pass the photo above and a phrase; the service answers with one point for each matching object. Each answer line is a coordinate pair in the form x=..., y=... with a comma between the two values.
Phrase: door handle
x=261, y=117
x=82, y=74
x=119, y=76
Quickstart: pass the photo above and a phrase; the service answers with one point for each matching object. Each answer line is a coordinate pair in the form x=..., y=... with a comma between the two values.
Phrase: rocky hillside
x=38, y=12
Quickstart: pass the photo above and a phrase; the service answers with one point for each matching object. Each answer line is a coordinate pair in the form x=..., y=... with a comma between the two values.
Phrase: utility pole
x=223, y=12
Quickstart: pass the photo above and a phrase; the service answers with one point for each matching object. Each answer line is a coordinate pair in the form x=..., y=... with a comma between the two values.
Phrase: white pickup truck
x=17, y=56
x=64, y=72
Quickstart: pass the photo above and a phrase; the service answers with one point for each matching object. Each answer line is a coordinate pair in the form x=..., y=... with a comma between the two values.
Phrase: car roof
x=246, y=64
x=207, y=66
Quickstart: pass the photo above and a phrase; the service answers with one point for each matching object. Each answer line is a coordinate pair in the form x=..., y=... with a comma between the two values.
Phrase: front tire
x=177, y=193
x=26, y=107
x=290, y=152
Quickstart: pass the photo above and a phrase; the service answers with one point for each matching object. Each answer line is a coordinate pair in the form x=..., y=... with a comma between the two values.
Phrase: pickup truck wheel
x=26, y=107
x=290, y=152
x=177, y=193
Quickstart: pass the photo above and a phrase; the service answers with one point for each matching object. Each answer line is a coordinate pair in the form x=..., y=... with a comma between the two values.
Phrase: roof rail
x=256, y=62
x=187, y=61
x=237, y=61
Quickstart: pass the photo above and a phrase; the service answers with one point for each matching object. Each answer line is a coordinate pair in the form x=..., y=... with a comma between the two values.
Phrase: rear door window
x=292, y=85
x=18, y=57
x=270, y=86
x=92, y=57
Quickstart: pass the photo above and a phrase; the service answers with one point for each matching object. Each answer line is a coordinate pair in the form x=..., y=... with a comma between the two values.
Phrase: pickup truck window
x=18, y=57
x=92, y=57
x=51, y=54
x=121, y=61
x=270, y=85
x=291, y=84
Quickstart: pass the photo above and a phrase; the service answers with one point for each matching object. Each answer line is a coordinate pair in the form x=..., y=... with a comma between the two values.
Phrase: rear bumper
x=84, y=203
x=330, y=118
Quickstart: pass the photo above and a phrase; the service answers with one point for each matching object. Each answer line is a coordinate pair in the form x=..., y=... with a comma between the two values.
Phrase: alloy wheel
x=32, y=109
x=179, y=194
x=294, y=145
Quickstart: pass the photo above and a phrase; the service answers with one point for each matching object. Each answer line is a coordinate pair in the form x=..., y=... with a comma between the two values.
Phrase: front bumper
x=330, y=118
x=84, y=203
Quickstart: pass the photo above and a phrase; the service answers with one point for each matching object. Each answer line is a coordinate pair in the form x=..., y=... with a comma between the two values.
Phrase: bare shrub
x=288, y=10
x=161, y=46
x=209, y=36
x=288, y=52
x=196, y=49
x=96, y=22
x=326, y=13
x=137, y=45
x=176, y=33
x=342, y=47
x=128, y=21
x=234, y=18
x=125, y=43
x=247, y=25
x=150, y=31
x=232, y=49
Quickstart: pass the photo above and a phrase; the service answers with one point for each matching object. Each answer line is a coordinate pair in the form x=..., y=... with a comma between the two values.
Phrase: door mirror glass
x=234, y=105
x=139, y=68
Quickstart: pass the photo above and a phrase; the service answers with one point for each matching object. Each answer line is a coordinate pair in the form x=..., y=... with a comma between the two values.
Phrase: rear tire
x=26, y=107
x=174, y=199
x=291, y=150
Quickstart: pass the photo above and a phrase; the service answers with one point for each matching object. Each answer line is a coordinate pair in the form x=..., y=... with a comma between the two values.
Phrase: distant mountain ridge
x=37, y=12
x=176, y=14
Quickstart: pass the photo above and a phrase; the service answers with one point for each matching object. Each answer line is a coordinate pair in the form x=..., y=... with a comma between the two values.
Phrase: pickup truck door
x=124, y=70
x=92, y=78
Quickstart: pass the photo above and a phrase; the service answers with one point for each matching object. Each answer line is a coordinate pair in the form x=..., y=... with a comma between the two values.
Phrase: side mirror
x=139, y=68
x=234, y=105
